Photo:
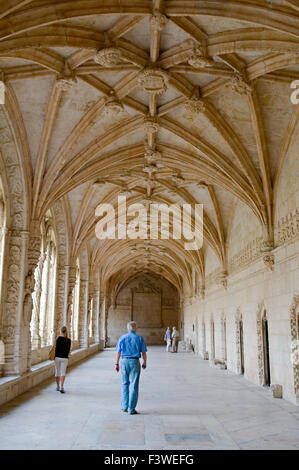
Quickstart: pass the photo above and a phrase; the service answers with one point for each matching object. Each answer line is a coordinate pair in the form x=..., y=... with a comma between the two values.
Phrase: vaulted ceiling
x=163, y=101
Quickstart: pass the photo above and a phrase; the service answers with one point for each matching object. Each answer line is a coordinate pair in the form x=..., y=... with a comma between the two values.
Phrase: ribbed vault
x=127, y=97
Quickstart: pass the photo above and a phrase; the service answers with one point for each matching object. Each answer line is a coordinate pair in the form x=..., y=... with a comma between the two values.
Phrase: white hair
x=131, y=326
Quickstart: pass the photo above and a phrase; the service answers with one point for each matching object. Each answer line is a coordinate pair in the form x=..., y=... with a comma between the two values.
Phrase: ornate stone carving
x=223, y=339
x=150, y=168
x=269, y=260
x=70, y=296
x=153, y=80
x=150, y=124
x=108, y=56
x=295, y=344
x=152, y=156
x=250, y=253
x=113, y=105
x=158, y=20
x=197, y=59
x=238, y=318
x=287, y=228
x=178, y=179
x=36, y=339
x=260, y=351
x=222, y=279
x=194, y=106
x=240, y=85
x=65, y=82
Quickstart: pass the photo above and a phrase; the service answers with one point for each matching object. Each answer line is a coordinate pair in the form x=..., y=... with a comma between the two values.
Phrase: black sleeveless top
x=63, y=346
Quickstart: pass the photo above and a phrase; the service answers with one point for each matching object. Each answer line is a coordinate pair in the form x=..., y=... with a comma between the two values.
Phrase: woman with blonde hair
x=63, y=346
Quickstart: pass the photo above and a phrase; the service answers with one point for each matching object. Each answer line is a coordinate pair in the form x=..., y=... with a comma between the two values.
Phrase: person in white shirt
x=167, y=338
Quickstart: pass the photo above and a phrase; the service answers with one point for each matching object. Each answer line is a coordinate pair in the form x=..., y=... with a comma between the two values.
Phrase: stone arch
x=263, y=359
x=239, y=342
x=223, y=338
x=62, y=230
x=83, y=297
x=294, y=327
x=261, y=372
x=14, y=173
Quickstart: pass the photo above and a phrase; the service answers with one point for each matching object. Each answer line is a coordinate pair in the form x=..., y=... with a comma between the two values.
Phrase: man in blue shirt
x=129, y=348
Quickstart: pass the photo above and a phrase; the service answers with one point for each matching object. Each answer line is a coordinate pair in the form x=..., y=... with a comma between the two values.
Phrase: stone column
x=89, y=317
x=96, y=316
x=83, y=311
x=103, y=324
x=14, y=267
x=90, y=313
x=61, y=299
x=70, y=298
x=36, y=339
x=51, y=323
x=34, y=254
x=44, y=299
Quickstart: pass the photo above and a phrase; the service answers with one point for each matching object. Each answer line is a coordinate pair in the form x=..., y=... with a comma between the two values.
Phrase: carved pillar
x=17, y=241
x=44, y=299
x=89, y=318
x=51, y=296
x=96, y=316
x=33, y=256
x=69, y=319
x=83, y=308
x=36, y=339
x=3, y=240
x=61, y=298
x=90, y=313
x=103, y=321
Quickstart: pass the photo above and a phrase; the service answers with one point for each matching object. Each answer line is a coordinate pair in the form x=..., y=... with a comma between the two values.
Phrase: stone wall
x=249, y=293
x=149, y=300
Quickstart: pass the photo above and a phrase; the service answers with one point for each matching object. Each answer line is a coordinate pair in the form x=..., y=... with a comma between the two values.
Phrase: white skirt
x=60, y=366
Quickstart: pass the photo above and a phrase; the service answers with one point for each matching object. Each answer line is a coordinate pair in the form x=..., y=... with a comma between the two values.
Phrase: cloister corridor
x=184, y=404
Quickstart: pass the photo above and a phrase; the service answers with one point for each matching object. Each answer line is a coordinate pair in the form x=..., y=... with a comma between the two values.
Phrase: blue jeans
x=130, y=370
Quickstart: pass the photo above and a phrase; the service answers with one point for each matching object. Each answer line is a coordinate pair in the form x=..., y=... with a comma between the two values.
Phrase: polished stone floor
x=184, y=404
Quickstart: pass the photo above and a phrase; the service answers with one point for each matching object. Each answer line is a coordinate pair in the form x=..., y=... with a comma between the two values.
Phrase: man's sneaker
x=57, y=389
x=134, y=412
x=125, y=411
x=62, y=390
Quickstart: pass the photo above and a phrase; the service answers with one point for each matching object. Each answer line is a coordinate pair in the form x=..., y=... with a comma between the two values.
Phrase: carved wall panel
x=294, y=326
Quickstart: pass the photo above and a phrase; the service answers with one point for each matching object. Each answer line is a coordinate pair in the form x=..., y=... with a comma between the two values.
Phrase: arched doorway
x=266, y=350
x=150, y=300
x=242, y=362
x=224, y=343
x=240, y=356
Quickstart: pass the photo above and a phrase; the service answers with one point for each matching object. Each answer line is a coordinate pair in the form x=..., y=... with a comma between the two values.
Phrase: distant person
x=63, y=347
x=167, y=338
x=175, y=338
x=129, y=348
